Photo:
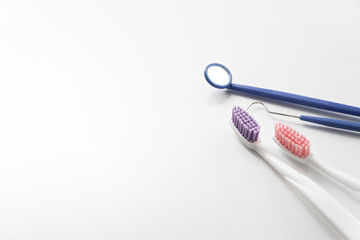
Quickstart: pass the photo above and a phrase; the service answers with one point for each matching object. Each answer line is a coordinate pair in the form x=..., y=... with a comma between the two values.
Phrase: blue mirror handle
x=297, y=99
x=330, y=122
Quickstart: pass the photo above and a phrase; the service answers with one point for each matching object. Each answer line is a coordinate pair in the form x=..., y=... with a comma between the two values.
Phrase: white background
x=108, y=129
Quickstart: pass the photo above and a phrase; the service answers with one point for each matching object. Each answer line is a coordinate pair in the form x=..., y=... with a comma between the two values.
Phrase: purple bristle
x=246, y=124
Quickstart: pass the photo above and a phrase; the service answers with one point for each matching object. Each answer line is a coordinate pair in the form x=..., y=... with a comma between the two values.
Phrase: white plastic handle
x=346, y=179
x=327, y=205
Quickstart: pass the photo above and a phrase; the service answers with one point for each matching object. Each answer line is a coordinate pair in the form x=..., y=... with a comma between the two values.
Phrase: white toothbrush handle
x=350, y=181
x=327, y=205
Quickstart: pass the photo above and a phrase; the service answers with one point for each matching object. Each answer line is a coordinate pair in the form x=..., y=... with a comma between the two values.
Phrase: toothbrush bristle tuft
x=292, y=140
x=245, y=124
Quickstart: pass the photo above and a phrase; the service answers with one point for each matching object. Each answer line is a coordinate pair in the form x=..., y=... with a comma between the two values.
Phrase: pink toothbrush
x=298, y=147
x=247, y=130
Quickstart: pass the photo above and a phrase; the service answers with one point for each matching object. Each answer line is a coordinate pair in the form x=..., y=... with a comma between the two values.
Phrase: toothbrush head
x=245, y=125
x=292, y=140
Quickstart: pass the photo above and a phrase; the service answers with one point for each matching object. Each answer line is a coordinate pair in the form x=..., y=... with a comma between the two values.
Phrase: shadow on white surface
x=218, y=97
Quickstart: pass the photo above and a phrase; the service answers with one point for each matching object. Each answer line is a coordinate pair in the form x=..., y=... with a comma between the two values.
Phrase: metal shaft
x=271, y=112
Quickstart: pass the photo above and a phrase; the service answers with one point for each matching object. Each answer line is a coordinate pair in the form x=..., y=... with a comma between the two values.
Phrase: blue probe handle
x=297, y=99
x=336, y=123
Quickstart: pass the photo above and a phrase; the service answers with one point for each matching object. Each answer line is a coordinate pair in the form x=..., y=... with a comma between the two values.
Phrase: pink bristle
x=292, y=148
x=301, y=152
x=292, y=140
x=296, y=152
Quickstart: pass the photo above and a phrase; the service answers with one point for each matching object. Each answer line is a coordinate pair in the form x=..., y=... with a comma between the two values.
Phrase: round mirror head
x=218, y=75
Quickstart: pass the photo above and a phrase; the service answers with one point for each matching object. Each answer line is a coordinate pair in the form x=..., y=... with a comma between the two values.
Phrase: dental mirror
x=218, y=75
